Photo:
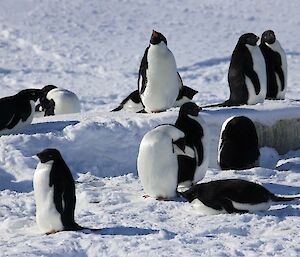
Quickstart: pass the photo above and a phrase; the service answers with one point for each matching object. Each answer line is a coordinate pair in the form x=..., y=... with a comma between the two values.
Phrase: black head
x=49, y=154
x=268, y=37
x=30, y=94
x=240, y=129
x=157, y=37
x=190, y=194
x=248, y=39
x=47, y=88
x=189, y=108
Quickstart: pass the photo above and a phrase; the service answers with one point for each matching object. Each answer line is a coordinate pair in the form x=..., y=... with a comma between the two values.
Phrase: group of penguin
x=172, y=159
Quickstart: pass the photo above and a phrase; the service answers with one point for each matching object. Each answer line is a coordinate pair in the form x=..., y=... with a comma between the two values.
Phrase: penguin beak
x=154, y=34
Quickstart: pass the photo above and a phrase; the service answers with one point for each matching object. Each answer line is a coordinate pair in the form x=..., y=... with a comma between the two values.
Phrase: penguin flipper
x=228, y=206
x=142, y=73
x=280, y=74
x=251, y=74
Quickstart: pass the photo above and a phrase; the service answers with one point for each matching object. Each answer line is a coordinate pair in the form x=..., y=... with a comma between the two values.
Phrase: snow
x=94, y=48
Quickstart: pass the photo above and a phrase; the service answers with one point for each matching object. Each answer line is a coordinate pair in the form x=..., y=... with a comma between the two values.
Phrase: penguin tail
x=117, y=109
x=227, y=103
x=284, y=198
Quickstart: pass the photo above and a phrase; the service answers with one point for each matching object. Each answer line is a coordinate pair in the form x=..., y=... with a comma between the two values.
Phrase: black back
x=64, y=187
x=186, y=91
x=239, y=144
x=133, y=96
x=219, y=194
x=273, y=64
x=241, y=64
x=17, y=107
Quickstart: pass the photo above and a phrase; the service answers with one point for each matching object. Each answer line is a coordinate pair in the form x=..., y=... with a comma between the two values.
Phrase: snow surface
x=94, y=48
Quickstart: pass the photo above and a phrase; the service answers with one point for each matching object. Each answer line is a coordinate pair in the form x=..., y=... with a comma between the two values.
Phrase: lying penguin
x=54, y=192
x=54, y=101
x=232, y=196
x=133, y=102
x=17, y=111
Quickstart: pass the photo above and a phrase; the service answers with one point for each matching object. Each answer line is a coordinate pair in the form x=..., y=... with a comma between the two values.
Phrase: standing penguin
x=17, y=111
x=171, y=155
x=193, y=169
x=159, y=82
x=247, y=72
x=276, y=65
x=238, y=145
x=54, y=191
x=232, y=196
x=56, y=101
x=157, y=162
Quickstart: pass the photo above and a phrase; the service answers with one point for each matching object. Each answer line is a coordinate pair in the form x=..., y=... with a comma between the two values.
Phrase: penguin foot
x=50, y=232
x=146, y=196
x=160, y=198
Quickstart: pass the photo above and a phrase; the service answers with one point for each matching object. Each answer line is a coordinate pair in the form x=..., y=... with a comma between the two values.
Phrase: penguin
x=17, y=111
x=193, y=166
x=247, y=77
x=232, y=196
x=172, y=157
x=157, y=162
x=54, y=192
x=238, y=145
x=56, y=101
x=276, y=65
x=133, y=102
x=159, y=82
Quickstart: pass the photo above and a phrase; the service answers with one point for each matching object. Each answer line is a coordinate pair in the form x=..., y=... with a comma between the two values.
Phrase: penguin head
x=30, y=94
x=47, y=88
x=190, y=194
x=157, y=37
x=49, y=154
x=268, y=37
x=189, y=108
x=248, y=39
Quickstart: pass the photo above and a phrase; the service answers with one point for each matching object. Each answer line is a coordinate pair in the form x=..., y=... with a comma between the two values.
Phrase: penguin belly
x=259, y=66
x=65, y=101
x=162, y=81
x=158, y=165
x=47, y=217
x=254, y=207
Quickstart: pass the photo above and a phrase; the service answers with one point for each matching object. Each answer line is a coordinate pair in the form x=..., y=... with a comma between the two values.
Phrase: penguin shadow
x=205, y=63
x=47, y=127
x=287, y=210
x=129, y=231
x=5, y=71
x=7, y=182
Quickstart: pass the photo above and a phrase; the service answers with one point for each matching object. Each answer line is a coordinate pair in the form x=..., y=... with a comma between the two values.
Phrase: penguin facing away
x=232, y=196
x=193, y=166
x=133, y=102
x=58, y=101
x=159, y=82
x=54, y=191
x=17, y=111
x=276, y=65
x=238, y=145
x=170, y=156
x=157, y=162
